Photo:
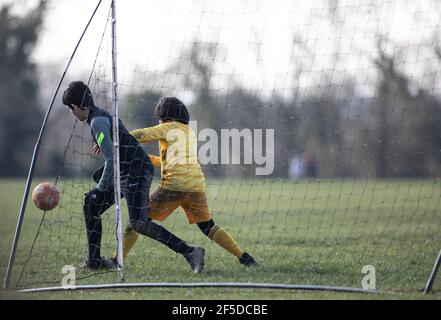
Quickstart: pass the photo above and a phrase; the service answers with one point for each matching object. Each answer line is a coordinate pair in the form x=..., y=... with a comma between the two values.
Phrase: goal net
x=318, y=133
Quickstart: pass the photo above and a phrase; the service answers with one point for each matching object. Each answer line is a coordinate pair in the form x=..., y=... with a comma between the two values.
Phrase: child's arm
x=149, y=134
x=156, y=161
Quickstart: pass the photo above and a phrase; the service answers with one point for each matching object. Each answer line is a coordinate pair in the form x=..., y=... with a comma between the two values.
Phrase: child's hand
x=95, y=150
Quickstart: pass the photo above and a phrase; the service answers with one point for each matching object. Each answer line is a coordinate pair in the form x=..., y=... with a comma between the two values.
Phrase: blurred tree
x=395, y=133
x=406, y=136
x=138, y=111
x=20, y=116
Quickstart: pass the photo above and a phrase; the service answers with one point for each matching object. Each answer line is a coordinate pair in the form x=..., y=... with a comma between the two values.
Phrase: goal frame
x=118, y=216
x=30, y=176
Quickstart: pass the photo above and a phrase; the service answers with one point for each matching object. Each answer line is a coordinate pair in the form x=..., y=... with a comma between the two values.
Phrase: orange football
x=46, y=196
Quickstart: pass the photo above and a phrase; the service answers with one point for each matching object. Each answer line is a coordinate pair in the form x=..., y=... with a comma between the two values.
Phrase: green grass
x=312, y=233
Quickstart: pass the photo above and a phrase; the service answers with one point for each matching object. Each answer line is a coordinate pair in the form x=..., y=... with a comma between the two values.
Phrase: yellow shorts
x=163, y=202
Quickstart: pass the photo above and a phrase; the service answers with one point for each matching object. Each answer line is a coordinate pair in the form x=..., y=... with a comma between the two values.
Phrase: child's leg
x=137, y=203
x=221, y=237
x=95, y=203
x=130, y=237
x=161, y=206
x=136, y=193
x=197, y=211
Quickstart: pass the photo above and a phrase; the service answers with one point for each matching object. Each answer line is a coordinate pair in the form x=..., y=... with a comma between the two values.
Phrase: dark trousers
x=135, y=189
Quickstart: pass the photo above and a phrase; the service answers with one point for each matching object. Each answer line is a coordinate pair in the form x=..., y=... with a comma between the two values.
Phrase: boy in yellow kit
x=182, y=181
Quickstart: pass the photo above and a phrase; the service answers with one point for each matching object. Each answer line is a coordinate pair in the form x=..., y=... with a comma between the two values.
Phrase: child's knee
x=207, y=226
x=143, y=226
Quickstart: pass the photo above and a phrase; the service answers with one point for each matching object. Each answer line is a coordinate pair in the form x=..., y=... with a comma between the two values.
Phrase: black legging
x=206, y=227
x=135, y=191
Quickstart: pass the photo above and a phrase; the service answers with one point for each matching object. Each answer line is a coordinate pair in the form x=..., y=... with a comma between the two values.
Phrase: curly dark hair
x=171, y=108
x=79, y=94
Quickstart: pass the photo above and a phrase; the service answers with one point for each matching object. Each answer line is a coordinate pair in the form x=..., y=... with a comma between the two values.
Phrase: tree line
x=394, y=133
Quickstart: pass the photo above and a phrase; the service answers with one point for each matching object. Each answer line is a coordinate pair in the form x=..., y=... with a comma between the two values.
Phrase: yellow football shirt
x=180, y=168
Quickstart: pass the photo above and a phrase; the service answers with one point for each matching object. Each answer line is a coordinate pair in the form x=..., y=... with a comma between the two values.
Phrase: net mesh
x=351, y=92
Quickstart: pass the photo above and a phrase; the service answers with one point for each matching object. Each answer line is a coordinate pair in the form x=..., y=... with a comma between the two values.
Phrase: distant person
x=296, y=168
x=136, y=176
x=310, y=165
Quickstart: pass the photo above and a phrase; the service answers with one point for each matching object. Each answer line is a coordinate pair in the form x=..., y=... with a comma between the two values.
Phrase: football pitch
x=301, y=233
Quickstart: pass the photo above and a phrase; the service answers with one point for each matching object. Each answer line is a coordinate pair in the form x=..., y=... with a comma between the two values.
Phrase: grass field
x=311, y=233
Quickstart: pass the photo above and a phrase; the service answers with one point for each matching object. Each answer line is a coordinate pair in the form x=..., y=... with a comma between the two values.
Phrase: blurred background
x=351, y=88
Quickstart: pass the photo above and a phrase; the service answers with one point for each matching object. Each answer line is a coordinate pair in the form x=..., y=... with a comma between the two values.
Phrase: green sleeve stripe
x=100, y=138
